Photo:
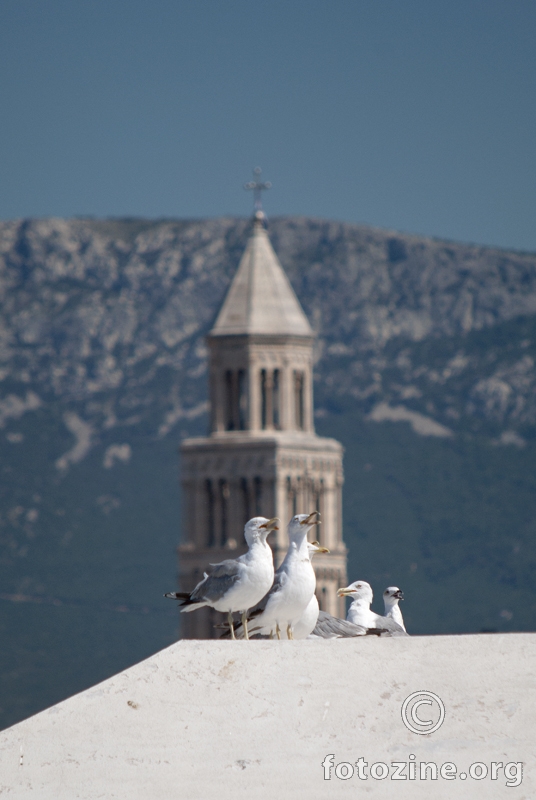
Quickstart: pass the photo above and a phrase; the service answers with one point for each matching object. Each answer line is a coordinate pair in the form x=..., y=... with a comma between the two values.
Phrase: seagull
x=294, y=583
x=236, y=584
x=306, y=624
x=360, y=614
x=391, y=596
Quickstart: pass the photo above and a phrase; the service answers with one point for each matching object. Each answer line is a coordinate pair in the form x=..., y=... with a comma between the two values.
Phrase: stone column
x=286, y=398
x=329, y=516
x=282, y=399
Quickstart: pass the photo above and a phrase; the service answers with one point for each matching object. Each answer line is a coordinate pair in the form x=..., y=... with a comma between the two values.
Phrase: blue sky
x=416, y=115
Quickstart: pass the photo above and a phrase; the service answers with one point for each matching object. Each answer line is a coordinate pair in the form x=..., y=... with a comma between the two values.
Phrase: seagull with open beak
x=293, y=587
x=237, y=584
x=391, y=596
x=307, y=622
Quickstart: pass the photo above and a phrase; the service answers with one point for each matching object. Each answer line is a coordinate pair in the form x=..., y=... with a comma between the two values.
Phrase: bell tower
x=262, y=456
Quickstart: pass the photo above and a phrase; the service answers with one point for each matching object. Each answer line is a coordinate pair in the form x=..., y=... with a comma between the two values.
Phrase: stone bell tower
x=262, y=456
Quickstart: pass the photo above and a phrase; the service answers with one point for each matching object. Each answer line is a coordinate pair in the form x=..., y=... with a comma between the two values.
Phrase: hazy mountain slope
x=102, y=367
x=109, y=317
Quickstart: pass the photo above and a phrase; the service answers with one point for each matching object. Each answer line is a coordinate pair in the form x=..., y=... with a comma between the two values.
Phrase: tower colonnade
x=257, y=385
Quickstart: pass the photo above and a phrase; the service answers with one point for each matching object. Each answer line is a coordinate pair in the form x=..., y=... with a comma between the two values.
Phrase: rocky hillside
x=424, y=369
x=108, y=318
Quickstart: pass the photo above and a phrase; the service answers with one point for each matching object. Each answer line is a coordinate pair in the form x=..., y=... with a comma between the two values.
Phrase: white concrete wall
x=256, y=719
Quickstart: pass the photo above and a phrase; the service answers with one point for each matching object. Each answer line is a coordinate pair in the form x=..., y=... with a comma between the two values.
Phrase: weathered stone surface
x=256, y=719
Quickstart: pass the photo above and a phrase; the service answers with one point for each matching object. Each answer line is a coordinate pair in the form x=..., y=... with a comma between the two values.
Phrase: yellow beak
x=271, y=524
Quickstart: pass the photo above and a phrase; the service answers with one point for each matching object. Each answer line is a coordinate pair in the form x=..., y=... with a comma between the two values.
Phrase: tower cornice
x=245, y=339
x=264, y=439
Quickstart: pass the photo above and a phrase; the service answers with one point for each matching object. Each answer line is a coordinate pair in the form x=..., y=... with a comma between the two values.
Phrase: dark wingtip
x=178, y=596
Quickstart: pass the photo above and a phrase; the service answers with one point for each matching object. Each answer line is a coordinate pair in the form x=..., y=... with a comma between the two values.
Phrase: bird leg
x=245, y=624
x=277, y=630
x=231, y=626
x=271, y=634
x=290, y=634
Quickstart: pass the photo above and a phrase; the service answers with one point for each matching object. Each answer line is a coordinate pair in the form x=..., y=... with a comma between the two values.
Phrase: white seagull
x=309, y=618
x=236, y=584
x=391, y=596
x=293, y=587
x=360, y=613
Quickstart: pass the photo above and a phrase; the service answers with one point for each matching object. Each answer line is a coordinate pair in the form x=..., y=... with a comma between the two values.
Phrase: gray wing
x=328, y=627
x=256, y=611
x=279, y=579
x=389, y=627
x=228, y=567
x=222, y=578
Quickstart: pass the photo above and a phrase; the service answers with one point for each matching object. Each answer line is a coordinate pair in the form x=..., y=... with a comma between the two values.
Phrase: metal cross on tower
x=258, y=187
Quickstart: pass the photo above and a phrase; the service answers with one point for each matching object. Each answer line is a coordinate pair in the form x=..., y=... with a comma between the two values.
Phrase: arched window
x=299, y=486
x=292, y=499
x=244, y=489
x=257, y=483
x=223, y=487
x=229, y=401
x=264, y=400
x=275, y=400
x=289, y=496
x=242, y=400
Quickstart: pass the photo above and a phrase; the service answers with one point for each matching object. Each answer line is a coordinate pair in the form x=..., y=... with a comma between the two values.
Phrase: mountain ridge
x=402, y=288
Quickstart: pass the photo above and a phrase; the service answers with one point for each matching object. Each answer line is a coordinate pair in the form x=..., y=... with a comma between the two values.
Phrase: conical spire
x=261, y=299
